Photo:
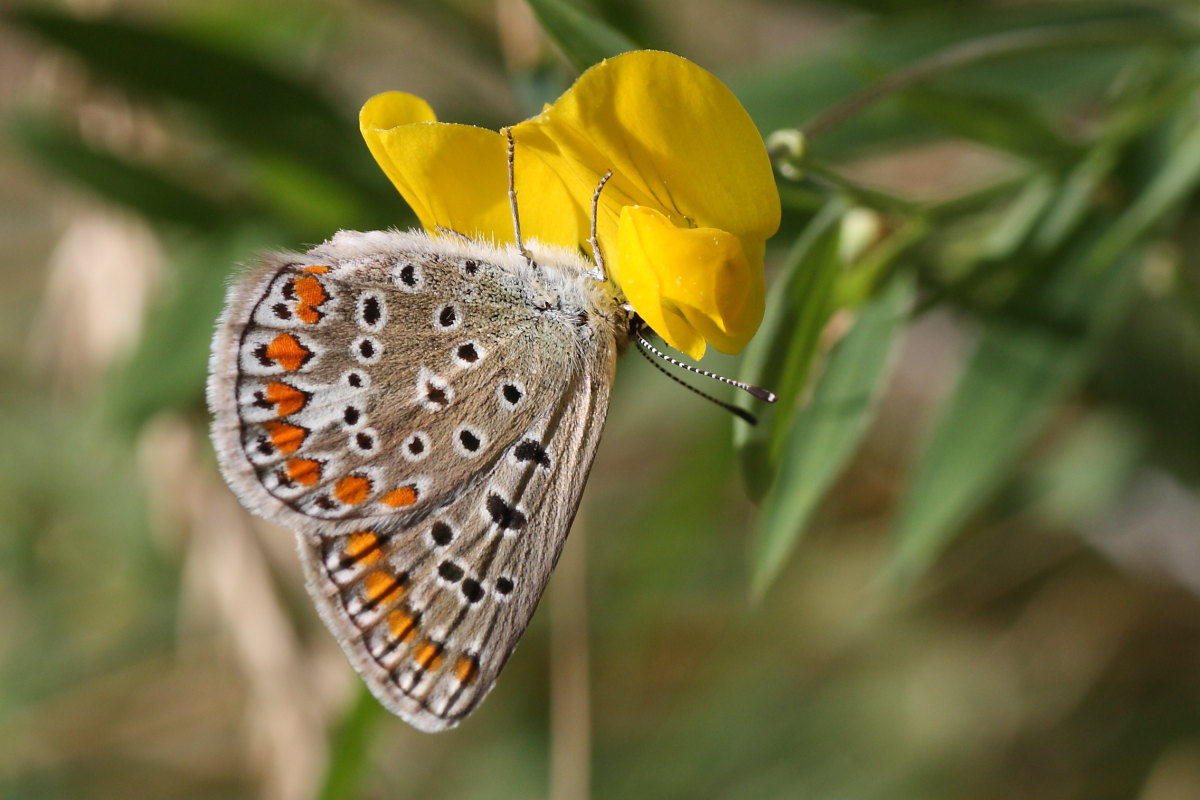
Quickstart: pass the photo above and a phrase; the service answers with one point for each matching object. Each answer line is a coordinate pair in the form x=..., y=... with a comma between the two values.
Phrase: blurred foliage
x=988, y=432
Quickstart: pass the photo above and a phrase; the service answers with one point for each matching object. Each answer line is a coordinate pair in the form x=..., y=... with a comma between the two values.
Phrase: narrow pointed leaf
x=1173, y=183
x=137, y=187
x=825, y=434
x=250, y=104
x=780, y=355
x=1016, y=374
x=1020, y=368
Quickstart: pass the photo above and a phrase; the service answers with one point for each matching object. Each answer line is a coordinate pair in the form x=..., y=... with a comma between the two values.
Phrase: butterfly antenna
x=597, y=254
x=512, y=195
x=756, y=391
x=740, y=413
x=645, y=348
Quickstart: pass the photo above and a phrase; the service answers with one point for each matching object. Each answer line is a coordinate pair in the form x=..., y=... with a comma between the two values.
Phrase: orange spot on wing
x=304, y=471
x=307, y=314
x=287, y=438
x=317, y=269
x=352, y=489
x=465, y=669
x=402, y=625
x=363, y=547
x=286, y=399
x=286, y=351
x=428, y=655
x=399, y=498
x=383, y=588
x=309, y=294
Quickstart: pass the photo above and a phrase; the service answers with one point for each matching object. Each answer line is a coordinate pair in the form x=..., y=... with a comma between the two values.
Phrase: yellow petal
x=456, y=176
x=549, y=211
x=426, y=161
x=676, y=138
x=688, y=284
x=392, y=109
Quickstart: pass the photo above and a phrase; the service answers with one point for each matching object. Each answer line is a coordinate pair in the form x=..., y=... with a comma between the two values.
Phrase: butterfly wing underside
x=427, y=431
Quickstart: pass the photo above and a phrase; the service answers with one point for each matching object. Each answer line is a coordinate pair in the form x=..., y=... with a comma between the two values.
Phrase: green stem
x=862, y=195
x=988, y=48
x=975, y=199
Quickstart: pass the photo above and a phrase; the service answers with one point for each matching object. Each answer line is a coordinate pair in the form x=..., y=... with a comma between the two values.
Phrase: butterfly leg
x=512, y=195
x=601, y=272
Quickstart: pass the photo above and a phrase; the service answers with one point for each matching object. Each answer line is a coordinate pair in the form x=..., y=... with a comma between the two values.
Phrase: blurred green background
x=960, y=558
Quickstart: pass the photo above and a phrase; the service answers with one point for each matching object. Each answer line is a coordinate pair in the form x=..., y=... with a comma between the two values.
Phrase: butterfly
x=422, y=410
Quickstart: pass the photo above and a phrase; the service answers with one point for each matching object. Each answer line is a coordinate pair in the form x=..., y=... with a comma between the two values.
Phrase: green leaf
x=1174, y=181
x=781, y=353
x=308, y=199
x=583, y=39
x=1018, y=371
x=137, y=187
x=253, y=106
x=825, y=434
x=1082, y=477
x=1038, y=349
x=987, y=265
x=1073, y=200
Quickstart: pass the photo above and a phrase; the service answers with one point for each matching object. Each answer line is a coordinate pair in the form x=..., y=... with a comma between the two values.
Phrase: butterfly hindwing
x=429, y=614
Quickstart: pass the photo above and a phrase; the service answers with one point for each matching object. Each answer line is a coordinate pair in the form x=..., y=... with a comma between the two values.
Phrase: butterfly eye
x=468, y=354
x=503, y=514
x=529, y=451
x=433, y=391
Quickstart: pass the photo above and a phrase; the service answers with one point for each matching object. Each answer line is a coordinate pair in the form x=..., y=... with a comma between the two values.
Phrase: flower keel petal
x=689, y=285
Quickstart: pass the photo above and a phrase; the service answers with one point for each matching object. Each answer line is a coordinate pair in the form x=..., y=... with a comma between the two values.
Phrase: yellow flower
x=682, y=222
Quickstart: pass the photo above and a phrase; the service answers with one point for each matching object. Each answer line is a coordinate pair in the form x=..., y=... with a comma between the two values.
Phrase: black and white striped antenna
x=646, y=349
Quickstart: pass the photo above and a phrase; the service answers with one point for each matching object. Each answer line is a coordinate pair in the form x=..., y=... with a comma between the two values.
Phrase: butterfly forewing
x=423, y=413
